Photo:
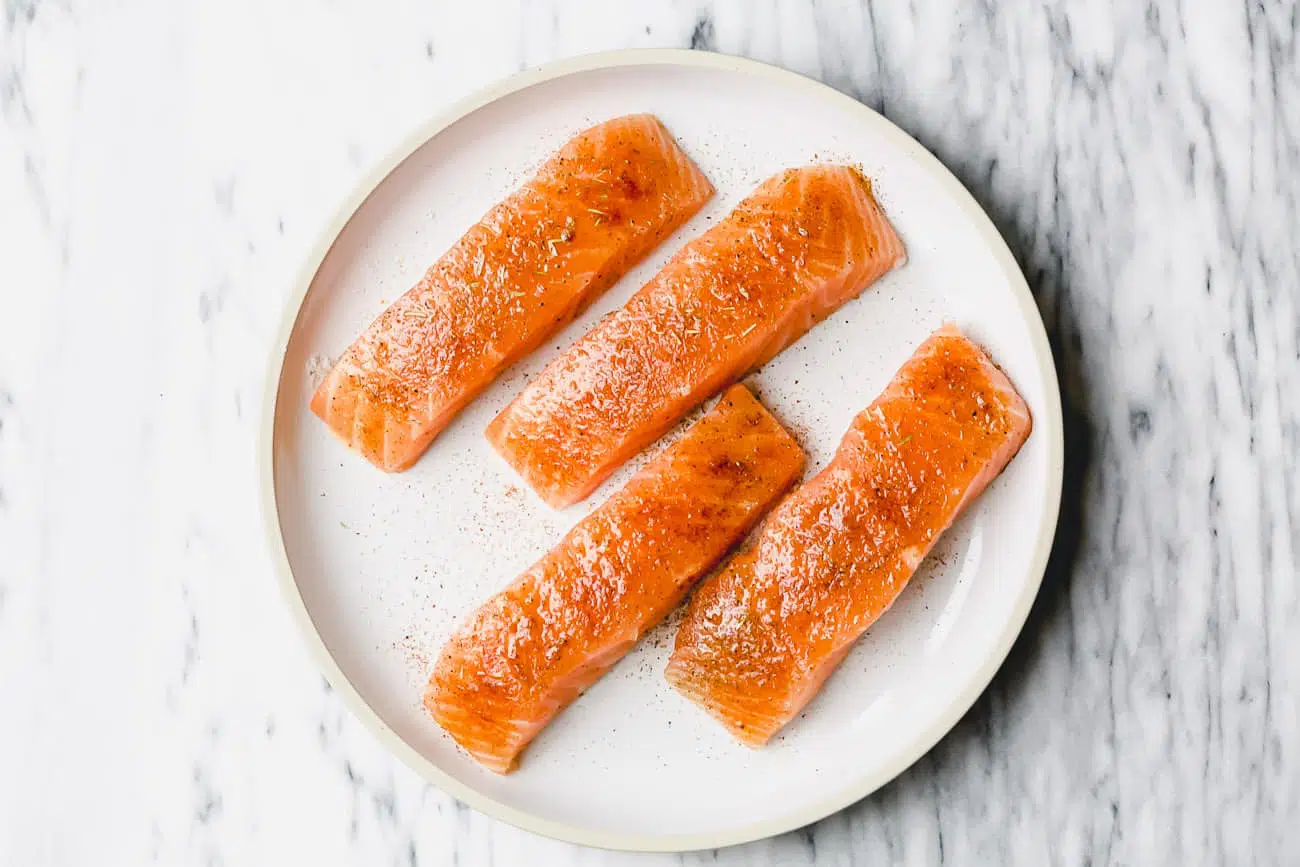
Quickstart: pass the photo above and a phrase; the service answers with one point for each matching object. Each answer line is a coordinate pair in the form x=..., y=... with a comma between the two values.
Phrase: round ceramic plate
x=379, y=568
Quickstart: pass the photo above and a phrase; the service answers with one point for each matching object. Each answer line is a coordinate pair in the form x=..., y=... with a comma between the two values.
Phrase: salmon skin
x=760, y=638
x=534, y=647
x=521, y=273
x=802, y=244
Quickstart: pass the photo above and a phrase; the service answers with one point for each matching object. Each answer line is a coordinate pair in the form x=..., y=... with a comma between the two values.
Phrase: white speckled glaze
x=384, y=566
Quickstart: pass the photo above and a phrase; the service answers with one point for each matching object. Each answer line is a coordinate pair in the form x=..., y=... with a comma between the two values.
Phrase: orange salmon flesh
x=534, y=647
x=804, y=243
x=521, y=273
x=760, y=638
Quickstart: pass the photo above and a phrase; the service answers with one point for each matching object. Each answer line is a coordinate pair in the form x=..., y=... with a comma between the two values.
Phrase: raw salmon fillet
x=517, y=276
x=759, y=639
x=802, y=244
x=534, y=647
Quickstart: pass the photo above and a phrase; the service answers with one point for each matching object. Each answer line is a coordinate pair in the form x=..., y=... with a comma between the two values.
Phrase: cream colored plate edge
x=1047, y=434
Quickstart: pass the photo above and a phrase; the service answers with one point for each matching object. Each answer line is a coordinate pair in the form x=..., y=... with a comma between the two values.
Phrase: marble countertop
x=164, y=168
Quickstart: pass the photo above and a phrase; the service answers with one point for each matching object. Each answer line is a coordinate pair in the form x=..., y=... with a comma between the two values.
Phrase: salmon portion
x=534, y=647
x=760, y=638
x=802, y=244
x=521, y=273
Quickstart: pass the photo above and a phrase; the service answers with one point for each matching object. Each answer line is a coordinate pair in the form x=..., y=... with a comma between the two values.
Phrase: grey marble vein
x=163, y=168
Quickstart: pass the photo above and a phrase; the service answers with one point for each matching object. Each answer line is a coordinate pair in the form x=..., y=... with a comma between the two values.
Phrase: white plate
x=379, y=568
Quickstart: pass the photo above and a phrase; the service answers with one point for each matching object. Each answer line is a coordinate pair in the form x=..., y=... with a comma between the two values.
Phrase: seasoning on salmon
x=802, y=244
x=536, y=260
x=534, y=647
x=759, y=639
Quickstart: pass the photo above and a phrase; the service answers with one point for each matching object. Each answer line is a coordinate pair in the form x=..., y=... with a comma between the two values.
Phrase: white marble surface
x=164, y=167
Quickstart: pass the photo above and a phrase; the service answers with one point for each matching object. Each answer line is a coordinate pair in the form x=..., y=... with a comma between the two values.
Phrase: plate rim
x=1050, y=426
